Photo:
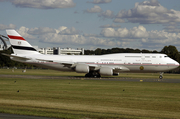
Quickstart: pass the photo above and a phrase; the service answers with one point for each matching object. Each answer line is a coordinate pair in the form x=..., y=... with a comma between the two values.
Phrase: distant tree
x=137, y=51
x=115, y=50
x=98, y=51
x=145, y=51
x=154, y=51
x=172, y=52
x=6, y=61
x=104, y=52
x=89, y=52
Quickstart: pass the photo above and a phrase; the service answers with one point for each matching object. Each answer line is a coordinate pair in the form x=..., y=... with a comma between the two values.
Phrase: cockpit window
x=165, y=56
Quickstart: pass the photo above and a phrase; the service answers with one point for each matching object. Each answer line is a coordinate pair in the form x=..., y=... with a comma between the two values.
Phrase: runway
x=103, y=78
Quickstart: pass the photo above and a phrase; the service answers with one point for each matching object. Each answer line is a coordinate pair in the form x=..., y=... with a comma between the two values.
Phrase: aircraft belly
x=147, y=68
x=54, y=66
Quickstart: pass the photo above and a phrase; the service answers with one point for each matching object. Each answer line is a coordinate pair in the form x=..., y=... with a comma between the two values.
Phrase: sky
x=91, y=24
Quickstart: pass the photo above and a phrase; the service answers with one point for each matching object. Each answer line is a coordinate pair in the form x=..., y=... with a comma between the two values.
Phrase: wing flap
x=120, y=69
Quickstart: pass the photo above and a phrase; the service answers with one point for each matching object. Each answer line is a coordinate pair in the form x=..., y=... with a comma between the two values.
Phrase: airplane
x=92, y=65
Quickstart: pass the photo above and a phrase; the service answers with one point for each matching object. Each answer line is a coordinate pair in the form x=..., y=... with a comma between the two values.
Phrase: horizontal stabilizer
x=16, y=57
x=45, y=60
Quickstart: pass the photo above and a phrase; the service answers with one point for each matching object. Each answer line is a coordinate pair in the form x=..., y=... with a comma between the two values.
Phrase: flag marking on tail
x=16, y=37
x=19, y=44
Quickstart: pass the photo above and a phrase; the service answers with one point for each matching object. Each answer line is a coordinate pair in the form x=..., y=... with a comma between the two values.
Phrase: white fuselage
x=135, y=62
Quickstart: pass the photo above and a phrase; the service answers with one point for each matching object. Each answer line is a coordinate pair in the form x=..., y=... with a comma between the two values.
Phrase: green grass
x=76, y=98
x=39, y=72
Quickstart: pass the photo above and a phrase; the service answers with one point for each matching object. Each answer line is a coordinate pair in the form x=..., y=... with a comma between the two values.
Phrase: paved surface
x=104, y=78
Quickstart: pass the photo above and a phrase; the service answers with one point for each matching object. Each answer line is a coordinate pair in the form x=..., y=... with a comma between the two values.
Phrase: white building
x=56, y=51
x=48, y=50
x=59, y=51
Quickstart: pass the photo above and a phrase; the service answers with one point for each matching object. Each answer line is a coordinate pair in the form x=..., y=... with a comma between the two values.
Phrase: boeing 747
x=92, y=65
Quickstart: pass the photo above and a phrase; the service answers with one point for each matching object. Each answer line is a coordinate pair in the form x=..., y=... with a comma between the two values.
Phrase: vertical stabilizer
x=19, y=44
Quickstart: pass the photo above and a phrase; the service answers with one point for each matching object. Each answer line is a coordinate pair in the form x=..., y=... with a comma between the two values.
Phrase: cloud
x=91, y=35
x=145, y=39
x=66, y=36
x=40, y=30
x=111, y=26
x=95, y=9
x=172, y=29
x=100, y=1
x=107, y=14
x=159, y=39
x=77, y=40
x=23, y=31
x=4, y=27
x=43, y=4
x=118, y=20
x=149, y=12
x=69, y=31
x=136, y=32
x=136, y=37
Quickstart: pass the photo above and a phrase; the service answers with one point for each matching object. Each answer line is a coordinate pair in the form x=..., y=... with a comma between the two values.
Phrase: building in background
x=55, y=51
x=59, y=51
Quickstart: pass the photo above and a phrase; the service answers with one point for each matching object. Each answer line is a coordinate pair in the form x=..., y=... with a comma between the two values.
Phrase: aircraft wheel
x=93, y=74
x=96, y=75
x=88, y=75
x=160, y=77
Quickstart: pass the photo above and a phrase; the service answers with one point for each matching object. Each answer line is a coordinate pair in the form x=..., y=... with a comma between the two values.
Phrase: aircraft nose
x=176, y=63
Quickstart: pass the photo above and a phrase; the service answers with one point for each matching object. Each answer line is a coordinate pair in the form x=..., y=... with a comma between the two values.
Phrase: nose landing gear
x=161, y=75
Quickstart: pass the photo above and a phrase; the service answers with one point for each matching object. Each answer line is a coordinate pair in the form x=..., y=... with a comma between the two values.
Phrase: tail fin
x=19, y=44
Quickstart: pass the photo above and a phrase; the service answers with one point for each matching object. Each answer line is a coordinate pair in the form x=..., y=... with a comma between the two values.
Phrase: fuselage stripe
x=23, y=48
x=16, y=37
x=133, y=64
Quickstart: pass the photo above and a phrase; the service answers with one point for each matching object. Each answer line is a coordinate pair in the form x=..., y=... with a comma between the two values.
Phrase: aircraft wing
x=65, y=63
x=45, y=60
x=68, y=64
x=16, y=57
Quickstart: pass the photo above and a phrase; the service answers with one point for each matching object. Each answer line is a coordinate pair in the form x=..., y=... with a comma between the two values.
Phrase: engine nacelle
x=106, y=71
x=82, y=68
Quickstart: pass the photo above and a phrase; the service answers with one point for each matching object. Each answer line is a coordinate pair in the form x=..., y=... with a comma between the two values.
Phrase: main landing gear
x=93, y=74
x=161, y=75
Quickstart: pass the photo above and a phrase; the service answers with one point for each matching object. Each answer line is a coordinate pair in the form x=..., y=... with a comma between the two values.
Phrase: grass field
x=38, y=72
x=76, y=98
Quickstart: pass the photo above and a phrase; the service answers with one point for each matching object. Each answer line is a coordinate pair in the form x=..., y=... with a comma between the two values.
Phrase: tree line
x=170, y=50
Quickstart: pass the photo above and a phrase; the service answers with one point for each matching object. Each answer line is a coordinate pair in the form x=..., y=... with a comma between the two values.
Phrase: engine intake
x=82, y=68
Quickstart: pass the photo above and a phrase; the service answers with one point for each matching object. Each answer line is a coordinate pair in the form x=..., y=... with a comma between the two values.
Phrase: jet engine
x=82, y=68
x=106, y=71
